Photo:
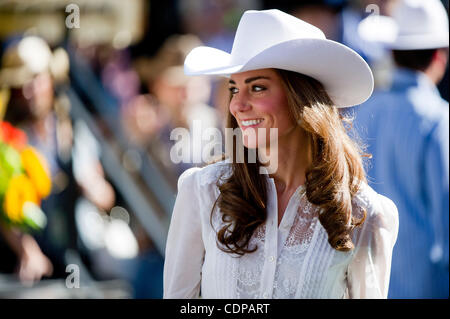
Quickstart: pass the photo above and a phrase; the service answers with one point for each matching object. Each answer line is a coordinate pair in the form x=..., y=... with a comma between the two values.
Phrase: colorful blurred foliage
x=24, y=180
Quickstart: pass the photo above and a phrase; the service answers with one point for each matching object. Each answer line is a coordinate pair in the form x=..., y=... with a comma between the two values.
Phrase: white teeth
x=251, y=122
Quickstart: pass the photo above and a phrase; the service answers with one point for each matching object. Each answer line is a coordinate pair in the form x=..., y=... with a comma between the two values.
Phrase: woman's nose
x=240, y=103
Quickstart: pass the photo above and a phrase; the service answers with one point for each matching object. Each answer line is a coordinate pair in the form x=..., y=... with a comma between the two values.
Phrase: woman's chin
x=250, y=143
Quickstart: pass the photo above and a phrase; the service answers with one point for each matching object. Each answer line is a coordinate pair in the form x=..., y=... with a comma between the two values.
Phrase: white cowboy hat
x=414, y=25
x=274, y=39
x=29, y=57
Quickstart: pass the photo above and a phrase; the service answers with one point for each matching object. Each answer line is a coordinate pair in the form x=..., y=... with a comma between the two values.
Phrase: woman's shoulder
x=206, y=175
x=378, y=208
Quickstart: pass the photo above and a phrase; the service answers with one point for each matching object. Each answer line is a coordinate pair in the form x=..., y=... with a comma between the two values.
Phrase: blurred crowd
x=101, y=113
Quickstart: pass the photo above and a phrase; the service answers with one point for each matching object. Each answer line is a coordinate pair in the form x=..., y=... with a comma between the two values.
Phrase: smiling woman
x=258, y=100
x=312, y=145
x=294, y=230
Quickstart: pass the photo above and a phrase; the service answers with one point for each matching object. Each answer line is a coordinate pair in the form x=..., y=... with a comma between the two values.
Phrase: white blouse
x=293, y=260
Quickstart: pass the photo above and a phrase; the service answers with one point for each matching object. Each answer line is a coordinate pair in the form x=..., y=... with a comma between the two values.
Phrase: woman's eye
x=258, y=88
x=233, y=90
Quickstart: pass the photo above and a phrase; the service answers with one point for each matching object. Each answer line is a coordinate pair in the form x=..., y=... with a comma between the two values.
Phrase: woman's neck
x=293, y=160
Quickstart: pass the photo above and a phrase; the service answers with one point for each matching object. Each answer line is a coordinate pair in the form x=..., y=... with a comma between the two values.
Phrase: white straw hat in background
x=29, y=57
x=414, y=25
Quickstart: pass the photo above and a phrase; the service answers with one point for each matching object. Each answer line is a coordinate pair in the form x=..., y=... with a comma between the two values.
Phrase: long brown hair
x=332, y=179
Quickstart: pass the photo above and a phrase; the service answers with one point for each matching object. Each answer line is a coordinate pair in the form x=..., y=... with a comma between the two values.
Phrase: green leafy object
x=34, y=217
x=4, y=181
x=10, y=160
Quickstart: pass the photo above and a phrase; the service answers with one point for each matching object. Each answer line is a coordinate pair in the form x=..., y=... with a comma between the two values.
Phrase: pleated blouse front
x=292, y=260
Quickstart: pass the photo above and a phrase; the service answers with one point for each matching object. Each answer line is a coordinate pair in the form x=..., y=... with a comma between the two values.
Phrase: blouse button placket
x=271, y=247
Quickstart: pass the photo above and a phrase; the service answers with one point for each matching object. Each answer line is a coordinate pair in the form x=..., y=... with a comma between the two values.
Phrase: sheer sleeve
x=184, y=248
x=369, y=271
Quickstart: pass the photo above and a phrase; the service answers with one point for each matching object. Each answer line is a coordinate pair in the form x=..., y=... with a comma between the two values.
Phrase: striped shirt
x=406, y=130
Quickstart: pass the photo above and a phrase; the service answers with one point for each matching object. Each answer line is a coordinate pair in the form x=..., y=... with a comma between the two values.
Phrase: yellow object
x=37, y=170
x=20, y=190
x=5, y=94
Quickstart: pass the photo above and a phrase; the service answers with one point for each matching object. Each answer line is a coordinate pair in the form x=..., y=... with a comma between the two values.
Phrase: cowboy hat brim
x=346, y=77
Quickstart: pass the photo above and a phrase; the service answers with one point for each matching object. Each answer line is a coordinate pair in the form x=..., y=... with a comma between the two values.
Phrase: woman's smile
x=251, y=123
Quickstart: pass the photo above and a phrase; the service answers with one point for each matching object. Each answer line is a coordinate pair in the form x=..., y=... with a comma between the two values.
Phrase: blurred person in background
x=406, y=129
x=174, y=101
x=131, y=255
x=32, y=71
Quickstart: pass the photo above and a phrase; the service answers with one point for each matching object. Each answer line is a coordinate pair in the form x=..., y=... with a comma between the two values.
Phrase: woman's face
x=259, y=101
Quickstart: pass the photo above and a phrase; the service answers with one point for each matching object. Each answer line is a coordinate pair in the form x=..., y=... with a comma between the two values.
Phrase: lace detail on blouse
x=303, y=226
x=249, y=272
x=289, y=261
x=293, y=251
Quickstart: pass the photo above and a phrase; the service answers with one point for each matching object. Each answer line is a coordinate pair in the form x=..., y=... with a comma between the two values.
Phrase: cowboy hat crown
x=286, y=28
